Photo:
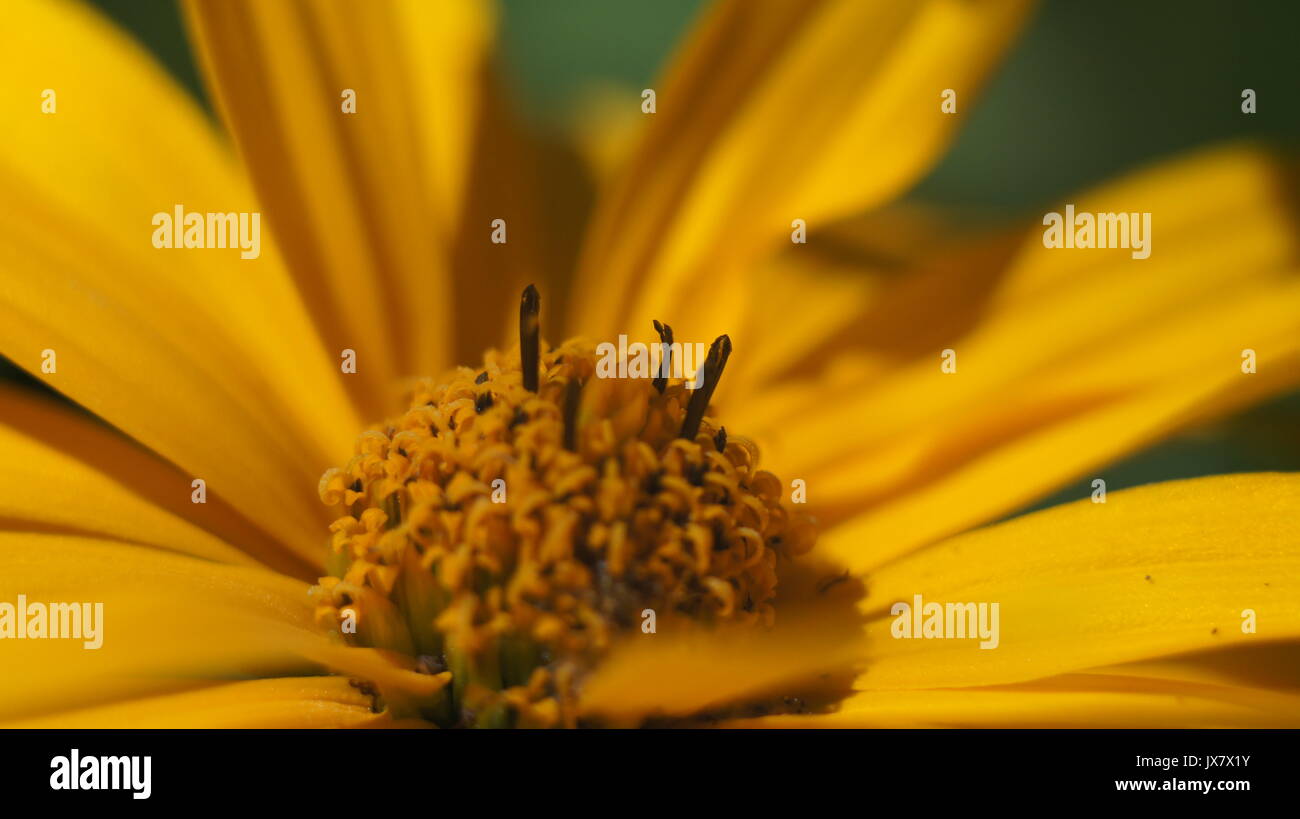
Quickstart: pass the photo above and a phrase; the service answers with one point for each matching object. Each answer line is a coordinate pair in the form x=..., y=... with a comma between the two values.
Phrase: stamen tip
x=530, y=304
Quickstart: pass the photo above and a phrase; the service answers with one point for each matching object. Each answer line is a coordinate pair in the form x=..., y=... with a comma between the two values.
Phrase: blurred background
x=1089, y=90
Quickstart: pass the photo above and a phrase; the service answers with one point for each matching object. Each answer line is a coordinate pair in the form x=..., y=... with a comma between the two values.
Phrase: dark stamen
x=393, y=511
x=572, y=397
x=660, y=381
x=710, y=373
x=530, y=307
x=831, y=582
x=720, y=440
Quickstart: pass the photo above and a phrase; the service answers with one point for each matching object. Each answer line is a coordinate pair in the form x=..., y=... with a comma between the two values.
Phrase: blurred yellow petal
x=535, y=187
x=403, y=689
x=168, y=621
x=208, y=359
x=1070, y=701
x=1263, y=665
x=1031, y=449
x=681, y=674
x=348, y=194
x=1153, y=572
x=62, y=470
x=918, y=453
x=874, y=292
x=447, y=44
x=680, y=670
x=120, y=364
x=1054, y=311
x=41, y=484
x=604, y=127
x=776, y=111
x=484, y=164
x=290, y=702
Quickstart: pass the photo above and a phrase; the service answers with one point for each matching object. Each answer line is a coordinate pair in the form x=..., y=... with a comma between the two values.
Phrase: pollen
x=521, y=517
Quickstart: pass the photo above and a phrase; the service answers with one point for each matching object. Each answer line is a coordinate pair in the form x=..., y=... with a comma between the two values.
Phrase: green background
x=1090, y=90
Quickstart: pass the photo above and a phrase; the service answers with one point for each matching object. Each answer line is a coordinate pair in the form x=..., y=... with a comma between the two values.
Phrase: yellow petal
x=208, y=359
x=1057, y=375
x=774, y=112
x=290, y=702
x=1153, y=572
x=447, y=44
x=348, y=194
x=537, y=191
x=679, y=670
x=1030, y=452
x=873, y=292
x=1069, y=701
x=604, y=127
x=61, y=470
x=1260, y=665
x=1050, y=311
x=168, y=621
x=484, y=165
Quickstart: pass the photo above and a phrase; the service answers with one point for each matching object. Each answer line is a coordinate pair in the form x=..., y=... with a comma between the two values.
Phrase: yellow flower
x=226, y=370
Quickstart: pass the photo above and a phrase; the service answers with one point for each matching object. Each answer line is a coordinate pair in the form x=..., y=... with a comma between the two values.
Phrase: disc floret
x=509, y=536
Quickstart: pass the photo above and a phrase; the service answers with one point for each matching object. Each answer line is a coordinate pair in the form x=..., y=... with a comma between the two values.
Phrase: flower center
x=518, y=519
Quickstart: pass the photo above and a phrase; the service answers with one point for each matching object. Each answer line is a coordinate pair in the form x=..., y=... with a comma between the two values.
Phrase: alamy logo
x=205, y=230
x=1088, y=230
x=661, y=360
x=950, y=621
x=75, y=772
x=53, y=621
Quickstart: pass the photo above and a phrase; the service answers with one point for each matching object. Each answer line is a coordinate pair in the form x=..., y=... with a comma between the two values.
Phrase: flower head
x=523, y=542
